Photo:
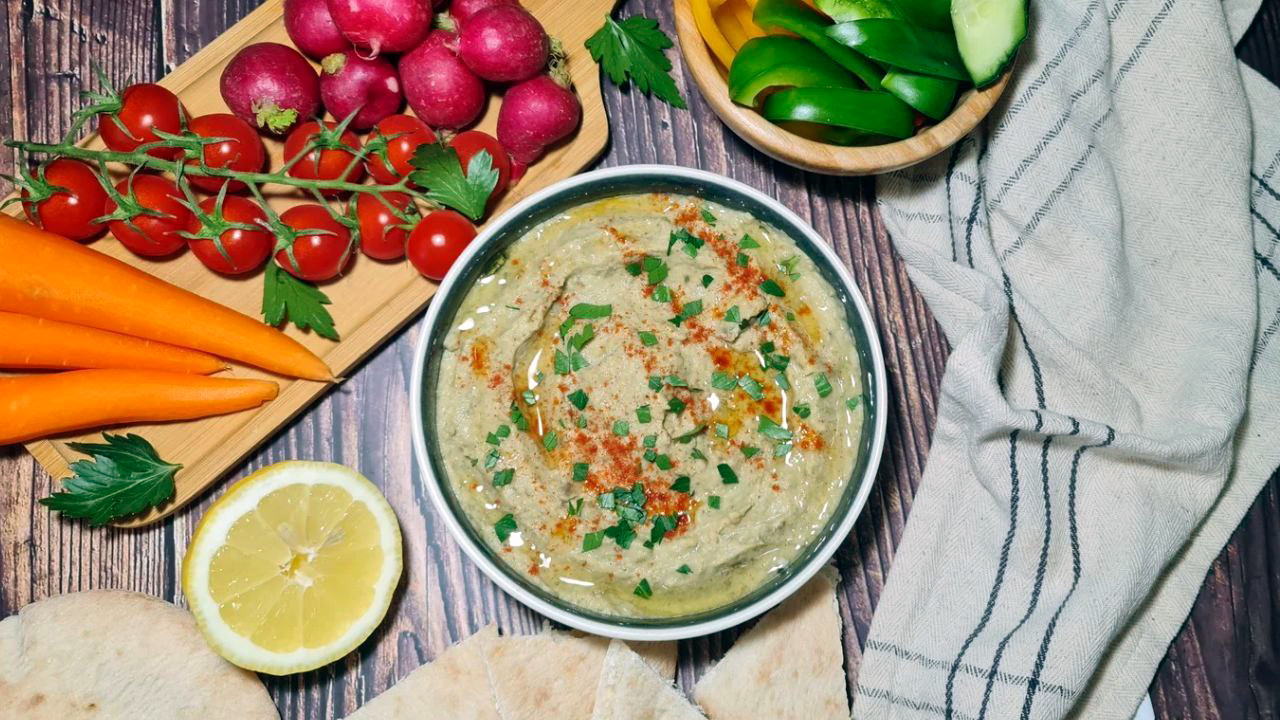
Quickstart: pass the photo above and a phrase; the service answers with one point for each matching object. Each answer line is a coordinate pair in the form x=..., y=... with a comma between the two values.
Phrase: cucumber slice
x=988, y=33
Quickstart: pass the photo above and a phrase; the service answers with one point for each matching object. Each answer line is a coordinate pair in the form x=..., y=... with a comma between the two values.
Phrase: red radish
x=378, y=26
x=351, y=84
x=271, y=86
x=441, y=90
x=504, y=43
x=535, y=114
x=461, y=10
x=311, y=28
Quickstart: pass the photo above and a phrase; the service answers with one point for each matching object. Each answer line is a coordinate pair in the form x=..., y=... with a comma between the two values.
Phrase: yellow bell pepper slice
x=727, y=20
x=710, y=32
x=743, y=12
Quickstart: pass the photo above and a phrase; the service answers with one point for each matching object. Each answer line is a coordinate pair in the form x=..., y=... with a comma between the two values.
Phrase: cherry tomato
x=144, y=108
x=437, y=241
x=242, y=250
x=382, y=232
x=320, y=254
x=406, y=133
x=473, y=141
x=71, y=211
x=326, y=162
x=242, y=150
x=152, y=235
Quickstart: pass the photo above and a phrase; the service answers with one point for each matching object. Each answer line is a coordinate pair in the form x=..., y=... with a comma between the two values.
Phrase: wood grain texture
x=1224, y=664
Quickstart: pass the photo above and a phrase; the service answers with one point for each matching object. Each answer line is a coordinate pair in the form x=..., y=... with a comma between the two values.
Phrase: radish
x=441, y=90
x=535, y=114
x=351, y=84
x=271, y=86
x=504, y=43
x=311, y=28
x=378, y=26
x=460, y=10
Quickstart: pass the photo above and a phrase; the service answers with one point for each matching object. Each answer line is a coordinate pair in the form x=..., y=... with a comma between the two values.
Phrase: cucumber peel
x=988, y=33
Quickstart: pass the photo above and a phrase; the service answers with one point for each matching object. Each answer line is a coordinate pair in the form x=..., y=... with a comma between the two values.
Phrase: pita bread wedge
x=630, y=689
x=451, y=687
x=112, y=655
x=790, y=665
x=548, y=675
x=661, y=656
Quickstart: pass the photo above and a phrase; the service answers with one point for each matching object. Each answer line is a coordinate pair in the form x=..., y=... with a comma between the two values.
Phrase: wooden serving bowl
x=811, y=155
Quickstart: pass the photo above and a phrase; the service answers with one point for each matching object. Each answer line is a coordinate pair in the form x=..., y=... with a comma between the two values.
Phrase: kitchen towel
x=1102, y=256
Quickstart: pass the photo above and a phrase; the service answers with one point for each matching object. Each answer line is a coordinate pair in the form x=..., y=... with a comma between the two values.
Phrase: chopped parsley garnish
x=697, y=454
x=550, y=441
x=650, y=441
x=655, y=382
x=656, y=268
x=505, y=526
x=723, y=381
x=621, y=427
x=643, y=414
x=689, y=436
x=727, y=475
x=504, y=477
x=607, y=501
x=517, y=417
x=647, y=338
x=530, y=397
x=707, y=280
x=681, y=485
x=587, y=311
x=750, y=450
x=714, y=501
x=491, y=460
x=621, y=534
x=722, y=430
x=822, y=385
x=579, y=341
x=566, y=326
x=650, y=455
x=575, y=507
x=581, y=421
x=852, y=403
x=684, y=570
x=643, y=590
x=676, y=405
x=592, y=540
x=675, y=381
x=689, y=310
x=751, y=387
x=733, y=315
x=743, y=259
x=579, y=399
x=802, y=410
x=772, y=288
x=633, y=268
x=661, y=293
x=689, y=242
x=771, y=429
x=707, y=217
x=662, y=525
x=562, y=362
x=747, y=242
x=577, y=361
x=781, y=449
x=763, y=319
x=580, y=471
x=788, y=267
x=663, y=462
x=781, y=379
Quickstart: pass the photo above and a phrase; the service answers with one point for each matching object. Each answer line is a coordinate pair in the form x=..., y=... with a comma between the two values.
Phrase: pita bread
x=790, y=665
x=452, y=686
x=548, y=675
x=630, y=689
x=113, y=655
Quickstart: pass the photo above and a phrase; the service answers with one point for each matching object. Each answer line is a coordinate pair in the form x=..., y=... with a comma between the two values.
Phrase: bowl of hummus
x=648, y=402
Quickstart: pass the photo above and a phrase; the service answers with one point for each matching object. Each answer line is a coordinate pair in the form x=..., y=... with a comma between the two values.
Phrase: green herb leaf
x=504, y=527
x=504, y=477
x=852, y=403
x=722, y=431
x=530, y=397
x=771, y=429
x=561, y=363
x=656, y=268
x=750, y=450
x=802, y=410
x=689, y=242
x=647, y=338
x=491, y=460
x=301, y=303
x=751, y=387
x=747, y=242
x=661, y=294
x=676, y=405
x=621, y=427
x=733, y=315
x=743, y=259
x=579, y=341
x=551, y=440
x=577, y=361
x=781, y=449
x=643, y=590
x=822, y=385
x=707, y=217
x=772, y=288
x=707, y=280
x=688, y=437
x=727, y=475
x=676, y=381
x=650, y=441
x=587, y=311
x=578, y=398
x=123, y=477
x=697, y=454
x=714, y=501
x=580, y=471
x=689, y=310
x=655, y=382
x=632, y=49
x=438, y=168
x=681, y=484
x=633, y=268
x=684, y=570
x=517, y=417
x=575, y=507
x=788, y=267
x=592, y=540
x=643, y=414
x=663, y=462
x=723, y=381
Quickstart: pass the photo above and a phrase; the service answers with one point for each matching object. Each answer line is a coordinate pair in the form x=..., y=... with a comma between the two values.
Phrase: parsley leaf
x=771, y=429
x=681, y=484
x=551, y=440
x=621, y=427
x=575, y=507
x=723, y=380
x=587, y=311
x=438, y=168
x=643, y=590
x=580, y=471
x=688, y=437
x=727, y=475
x=504, y=477
x=592, y=540
x=772, y=288
x=647, y=338
x=578, y=398
x=633, y=49
x=802, y=410
x=707, y=217
x=504, y=527
x=286, y=297
x=822, y=385
x=124, y=477
x=733, y=315
x=643, y=414
x=684, y=570
x=714, y=501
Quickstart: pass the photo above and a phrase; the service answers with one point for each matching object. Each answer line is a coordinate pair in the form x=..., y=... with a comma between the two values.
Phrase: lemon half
x=293, y=567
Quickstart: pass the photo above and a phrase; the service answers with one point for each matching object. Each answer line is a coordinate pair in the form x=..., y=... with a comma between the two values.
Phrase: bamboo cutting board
x=369, y=303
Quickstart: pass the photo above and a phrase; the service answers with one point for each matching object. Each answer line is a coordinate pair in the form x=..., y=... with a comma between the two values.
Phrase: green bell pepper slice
x=781, y=61
x=933, y=14
x=932, y=96
x=869, y=111
x=904, y=45
x=796, y=17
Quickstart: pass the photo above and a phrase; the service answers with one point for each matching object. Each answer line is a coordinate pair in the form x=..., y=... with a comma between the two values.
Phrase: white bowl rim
x=563, y=615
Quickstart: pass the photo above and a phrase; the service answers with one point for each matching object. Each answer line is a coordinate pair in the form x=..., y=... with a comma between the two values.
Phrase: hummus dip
x=650, y=405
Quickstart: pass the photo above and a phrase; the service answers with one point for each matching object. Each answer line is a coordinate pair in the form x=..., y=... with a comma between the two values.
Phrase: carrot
x=37, y=406
x=49, y=276
x=32, y=342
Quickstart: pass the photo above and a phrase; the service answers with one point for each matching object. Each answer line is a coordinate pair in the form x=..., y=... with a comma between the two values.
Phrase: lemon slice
x=293, y=567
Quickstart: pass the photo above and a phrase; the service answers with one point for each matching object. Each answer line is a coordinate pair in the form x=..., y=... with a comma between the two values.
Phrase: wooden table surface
x=1224, y=664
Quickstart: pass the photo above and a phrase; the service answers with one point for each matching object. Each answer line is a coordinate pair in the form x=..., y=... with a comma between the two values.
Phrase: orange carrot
x=32, y=342
x=49, y=276
x=37, y=406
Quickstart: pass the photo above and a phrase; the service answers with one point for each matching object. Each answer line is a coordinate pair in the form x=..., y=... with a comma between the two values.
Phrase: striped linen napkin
x=1102, y=255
